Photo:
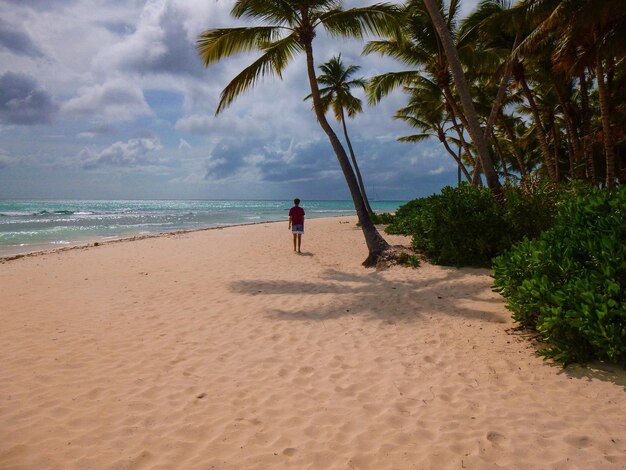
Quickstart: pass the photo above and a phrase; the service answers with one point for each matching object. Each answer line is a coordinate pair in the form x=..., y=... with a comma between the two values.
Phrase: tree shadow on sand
x=377, y=298
x=598, y=371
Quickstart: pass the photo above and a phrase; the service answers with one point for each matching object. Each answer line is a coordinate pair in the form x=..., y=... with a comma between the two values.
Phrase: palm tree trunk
x=464, y=143
x=457, y=158
x=573, y=140
x=541, y=134
x=555, y=148
x=511, y=136
x=452, y=107
x=586, y=119
x=609, y=151
x=466, y=100
x=506, y=76
x=475, y=179
x=496, y=144
x=376, y=244
x=355, y=165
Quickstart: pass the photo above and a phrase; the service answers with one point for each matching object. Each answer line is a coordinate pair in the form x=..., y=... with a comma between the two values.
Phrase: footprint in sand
x=578, y=441
x=496, y=438
x=289, y=451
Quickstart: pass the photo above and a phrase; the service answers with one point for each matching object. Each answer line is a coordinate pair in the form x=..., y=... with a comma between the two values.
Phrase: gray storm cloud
x=18, y=41
x=23, y=102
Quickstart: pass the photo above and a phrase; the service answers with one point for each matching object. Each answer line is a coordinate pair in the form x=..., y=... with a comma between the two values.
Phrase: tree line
x=514, y=92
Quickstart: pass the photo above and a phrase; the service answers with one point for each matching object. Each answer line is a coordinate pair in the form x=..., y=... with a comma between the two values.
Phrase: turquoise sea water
x=34, y=225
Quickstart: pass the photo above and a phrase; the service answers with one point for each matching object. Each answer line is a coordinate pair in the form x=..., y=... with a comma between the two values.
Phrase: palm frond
x=379, y=19
x=276, y=11
x=272, y=62
x=216, y=44
x=453, y=13
x=398, y=49
x=381, y=85
x=415, y=138
x=357, y=82
x=351, y=104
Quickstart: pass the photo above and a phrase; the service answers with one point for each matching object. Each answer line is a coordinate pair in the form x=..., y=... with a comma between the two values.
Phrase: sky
x=108, y=99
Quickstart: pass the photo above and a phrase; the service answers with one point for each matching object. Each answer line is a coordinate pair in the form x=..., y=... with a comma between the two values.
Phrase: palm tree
x=427, y=112
x=595, y=31
x=473, y=125
x=289, y=27
x=420, y=47
x=336, y=94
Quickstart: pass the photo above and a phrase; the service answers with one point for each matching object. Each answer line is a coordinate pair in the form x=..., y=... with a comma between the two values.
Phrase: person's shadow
x=305, y=253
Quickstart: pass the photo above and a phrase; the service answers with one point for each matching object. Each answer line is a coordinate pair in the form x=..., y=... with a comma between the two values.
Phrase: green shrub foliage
x=406, y=218
x=570, y=284
x=465, y=226
x=409, y=260
x=381, y=218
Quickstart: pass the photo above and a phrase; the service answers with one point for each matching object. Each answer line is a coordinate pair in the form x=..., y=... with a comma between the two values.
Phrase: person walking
x=296, y=224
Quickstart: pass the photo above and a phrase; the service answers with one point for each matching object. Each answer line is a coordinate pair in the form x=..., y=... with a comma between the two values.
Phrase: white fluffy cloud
x=117, y=101
x=132, y=153
x=124, y=76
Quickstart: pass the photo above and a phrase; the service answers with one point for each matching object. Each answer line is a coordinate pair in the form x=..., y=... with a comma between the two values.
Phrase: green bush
x=465, y=226
x=570, y=284
x=412, y=261
x=529, y=211
x=406, y=218
x=383, y=218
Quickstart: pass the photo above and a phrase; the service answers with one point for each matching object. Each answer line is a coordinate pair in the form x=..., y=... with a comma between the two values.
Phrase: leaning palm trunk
x=606, y=124
x=555, y=149
x=573, y=140
x=466, y=100
x=584, y=105
x=468, y=152
x=476, y=179
x=504, y=83
x=511, y=136
x=541, y=134
x=376, y=244
x=355, y=165
x=496, y=144
x=457, y=157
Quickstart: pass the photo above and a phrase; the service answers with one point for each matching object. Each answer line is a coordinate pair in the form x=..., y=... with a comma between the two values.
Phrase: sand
x=223, y=349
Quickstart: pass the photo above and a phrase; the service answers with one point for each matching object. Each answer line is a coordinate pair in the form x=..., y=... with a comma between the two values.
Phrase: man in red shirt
x=296, y=223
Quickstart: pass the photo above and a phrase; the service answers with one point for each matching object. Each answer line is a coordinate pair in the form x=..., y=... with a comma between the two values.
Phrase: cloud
x=437, y=171
x=17, y=41
x=160, y=44
x=120, y=65
x=132, y=153
x=41, y=4
x=117, y=100
x=5, y=160
x=278, y=161
x=97, y=131
x=22, y=102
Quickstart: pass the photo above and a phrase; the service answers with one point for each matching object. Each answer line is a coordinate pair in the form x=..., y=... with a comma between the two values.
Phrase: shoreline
x=71, y=223
x=79, y=245
x=223, y=348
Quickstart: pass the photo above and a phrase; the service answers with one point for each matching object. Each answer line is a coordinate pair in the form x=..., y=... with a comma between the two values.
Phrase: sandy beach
x=222, y=349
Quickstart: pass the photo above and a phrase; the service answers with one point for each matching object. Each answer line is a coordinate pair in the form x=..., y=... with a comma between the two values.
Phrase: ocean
x=27, y=226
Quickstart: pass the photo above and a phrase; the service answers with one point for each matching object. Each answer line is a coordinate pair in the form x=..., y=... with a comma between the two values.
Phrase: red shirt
x=297, y=215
